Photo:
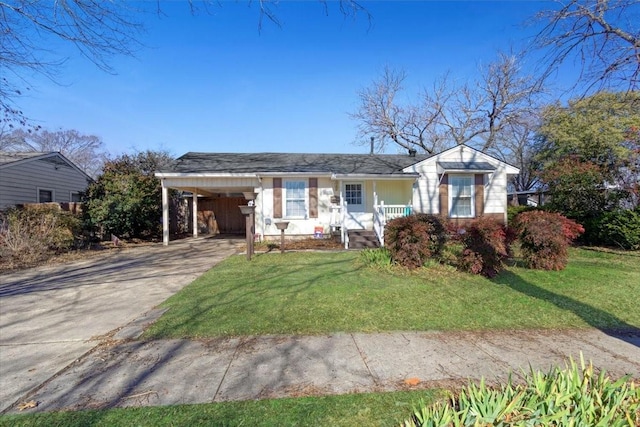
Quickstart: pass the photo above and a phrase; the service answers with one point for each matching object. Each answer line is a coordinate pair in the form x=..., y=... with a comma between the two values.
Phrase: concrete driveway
x=51, y=316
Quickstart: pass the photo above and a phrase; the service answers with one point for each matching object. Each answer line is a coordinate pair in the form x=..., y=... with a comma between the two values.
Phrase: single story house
x=39, y=178
x=326, y=193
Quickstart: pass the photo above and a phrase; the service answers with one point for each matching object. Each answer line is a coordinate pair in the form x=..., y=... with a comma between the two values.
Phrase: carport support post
x=165, y=214
x=194, y=208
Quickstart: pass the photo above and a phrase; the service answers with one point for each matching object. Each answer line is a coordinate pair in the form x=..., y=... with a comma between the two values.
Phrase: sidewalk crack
x=364, y=360
x=233, y=357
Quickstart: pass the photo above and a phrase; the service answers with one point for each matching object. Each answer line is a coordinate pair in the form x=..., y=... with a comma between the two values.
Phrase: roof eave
x=388, y=177
x=466, y=170
x=204, y=175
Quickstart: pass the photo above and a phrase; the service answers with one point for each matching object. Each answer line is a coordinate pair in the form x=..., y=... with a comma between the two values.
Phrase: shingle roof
x=8, y=157
x=382, y=164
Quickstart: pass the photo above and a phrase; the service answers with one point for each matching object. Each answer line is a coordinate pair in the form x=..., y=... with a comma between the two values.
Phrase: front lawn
x=320, y=293
x=368, y=409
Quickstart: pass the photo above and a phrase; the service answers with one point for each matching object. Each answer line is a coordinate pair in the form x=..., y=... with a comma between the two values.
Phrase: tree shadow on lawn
x=616, y=251
x=274, y=285
x=597, y=318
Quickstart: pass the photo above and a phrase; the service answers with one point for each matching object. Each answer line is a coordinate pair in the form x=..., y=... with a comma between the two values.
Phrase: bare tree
x=86, y=151
x=602, y=36
x=382, y=116
x=474, y=113
x=98, y=29
x=520, y=145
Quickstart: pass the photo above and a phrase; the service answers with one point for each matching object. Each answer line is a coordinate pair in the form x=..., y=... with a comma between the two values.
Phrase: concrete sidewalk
x=136, y=373
x=69, y=340
x=51, y=316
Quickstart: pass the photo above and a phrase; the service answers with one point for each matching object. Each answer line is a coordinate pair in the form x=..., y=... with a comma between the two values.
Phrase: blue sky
x=213, y=82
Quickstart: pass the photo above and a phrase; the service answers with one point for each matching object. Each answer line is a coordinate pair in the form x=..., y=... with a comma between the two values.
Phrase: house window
x=44, y=195
x=75, y=197
x=461, y=196
x=353, y=194
x=295, y=199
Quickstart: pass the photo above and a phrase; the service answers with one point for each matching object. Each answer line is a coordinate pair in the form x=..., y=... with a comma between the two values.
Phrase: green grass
x=318, y=293
x=371, y=409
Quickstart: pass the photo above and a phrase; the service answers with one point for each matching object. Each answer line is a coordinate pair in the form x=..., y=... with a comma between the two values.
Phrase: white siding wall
x=426, y=194
x=495, y=192
x=19, y=183
x=302, y=227
x=425, y=191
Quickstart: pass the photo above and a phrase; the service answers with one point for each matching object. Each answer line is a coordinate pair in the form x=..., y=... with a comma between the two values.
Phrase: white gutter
x=468, y=171
x=403, y=177
x=204, y=175
x=286, y=174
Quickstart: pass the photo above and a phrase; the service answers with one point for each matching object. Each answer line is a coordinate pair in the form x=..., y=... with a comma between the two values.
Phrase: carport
x=218, y=197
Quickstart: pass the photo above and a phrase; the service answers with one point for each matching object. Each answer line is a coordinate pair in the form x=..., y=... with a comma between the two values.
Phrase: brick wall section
x=464, y=222
x=277, y=197
x=479, y=194
x=313, y=197
x=444, y=195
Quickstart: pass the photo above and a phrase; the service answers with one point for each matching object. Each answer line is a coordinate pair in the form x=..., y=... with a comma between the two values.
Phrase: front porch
x=376, y=203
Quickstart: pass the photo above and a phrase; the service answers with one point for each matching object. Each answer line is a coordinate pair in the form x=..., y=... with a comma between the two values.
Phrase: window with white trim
x=45, y=195
x=75, y=197
x=295, y=201
x=461, y=196
x=353, y=194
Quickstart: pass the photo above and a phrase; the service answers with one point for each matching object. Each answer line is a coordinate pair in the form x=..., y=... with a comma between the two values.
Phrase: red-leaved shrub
x=412, y=239
x=545, y=237
x=485, y=247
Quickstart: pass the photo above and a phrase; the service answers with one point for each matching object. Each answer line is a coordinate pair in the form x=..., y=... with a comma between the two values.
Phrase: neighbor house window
x=353, y=194
x=44, y=195
x=295, y=199
x=75, y=197
x=461, y=196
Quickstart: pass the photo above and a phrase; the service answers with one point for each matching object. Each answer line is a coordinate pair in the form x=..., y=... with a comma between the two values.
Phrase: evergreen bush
x=620, y=228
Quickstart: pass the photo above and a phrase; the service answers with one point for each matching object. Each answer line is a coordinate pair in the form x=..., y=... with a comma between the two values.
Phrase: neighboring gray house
x=39, y=178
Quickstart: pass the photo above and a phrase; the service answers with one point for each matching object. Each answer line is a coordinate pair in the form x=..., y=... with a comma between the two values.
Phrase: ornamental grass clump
x=378, y=258
x=545, y=238
x=573, y=396
x=413, y=239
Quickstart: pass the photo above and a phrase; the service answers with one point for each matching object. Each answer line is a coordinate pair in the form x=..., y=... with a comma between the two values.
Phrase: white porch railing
x=338, y=221
x=384, y=213
x=381, y=215
x=343, y=223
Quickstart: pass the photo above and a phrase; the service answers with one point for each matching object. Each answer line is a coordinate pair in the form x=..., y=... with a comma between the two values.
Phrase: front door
x=354, y=195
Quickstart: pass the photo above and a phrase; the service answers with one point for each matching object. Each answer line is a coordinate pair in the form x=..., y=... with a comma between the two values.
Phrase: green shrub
x=485, y=247
x=545, y=238
x=379, y=258
x=574, y=396
x=620, y=228
x=412, y=239
x=31, y=233
x=126, y=199
x=513, y=211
